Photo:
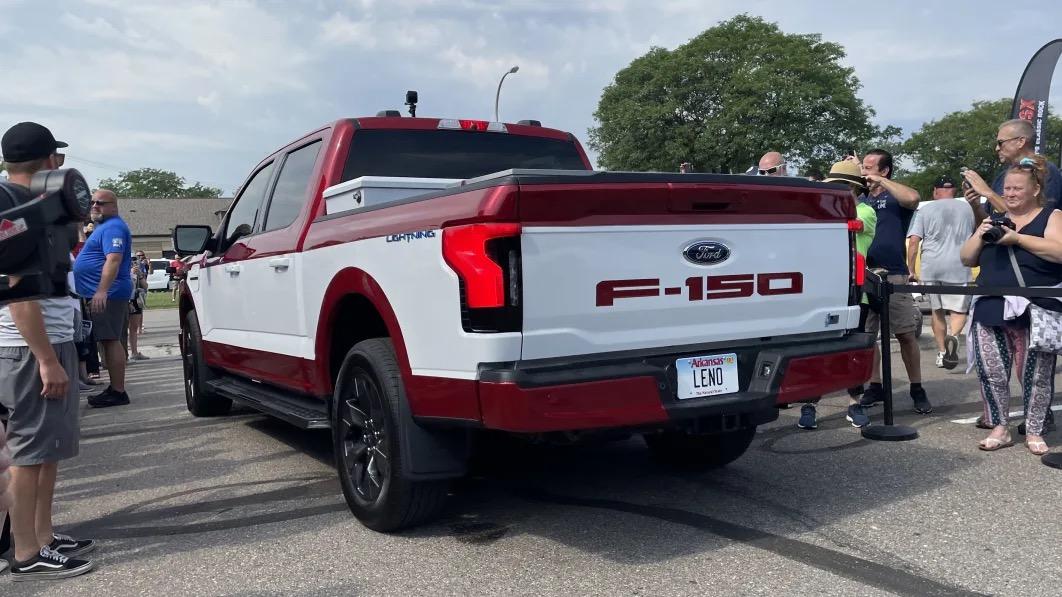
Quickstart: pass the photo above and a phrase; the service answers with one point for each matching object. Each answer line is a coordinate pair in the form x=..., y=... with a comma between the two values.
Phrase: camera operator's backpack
x=16, y=242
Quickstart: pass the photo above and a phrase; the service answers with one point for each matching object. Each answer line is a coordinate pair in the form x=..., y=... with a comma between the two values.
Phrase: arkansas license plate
x=707, y=376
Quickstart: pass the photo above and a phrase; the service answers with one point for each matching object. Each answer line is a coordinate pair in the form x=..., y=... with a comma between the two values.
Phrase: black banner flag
x=1030, y=102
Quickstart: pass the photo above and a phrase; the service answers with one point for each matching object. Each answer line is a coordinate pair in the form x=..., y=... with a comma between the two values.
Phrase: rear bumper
x=639, y=390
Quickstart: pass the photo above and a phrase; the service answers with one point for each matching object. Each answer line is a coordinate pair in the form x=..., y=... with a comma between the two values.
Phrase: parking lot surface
x=245, y=505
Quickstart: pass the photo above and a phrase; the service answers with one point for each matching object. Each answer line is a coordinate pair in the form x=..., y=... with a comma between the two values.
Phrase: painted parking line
x=1017, y=413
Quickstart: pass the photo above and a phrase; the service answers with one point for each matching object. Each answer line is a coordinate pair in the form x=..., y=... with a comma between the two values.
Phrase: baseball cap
x=28, y=141
x=944, y=181
x=847, y=172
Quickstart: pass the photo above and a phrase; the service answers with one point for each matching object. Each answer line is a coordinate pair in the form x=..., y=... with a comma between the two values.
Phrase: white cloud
x=340, y=30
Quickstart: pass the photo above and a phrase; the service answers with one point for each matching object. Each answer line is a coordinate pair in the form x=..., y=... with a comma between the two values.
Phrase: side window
x=243, y=214
x=290, y=192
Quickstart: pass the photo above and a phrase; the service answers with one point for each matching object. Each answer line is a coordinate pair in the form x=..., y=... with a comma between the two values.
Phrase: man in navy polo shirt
x=895, y=205
x=1014, y=141
x=102, y=273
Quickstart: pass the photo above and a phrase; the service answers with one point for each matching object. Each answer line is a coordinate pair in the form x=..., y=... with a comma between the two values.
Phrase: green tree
x=152, y=182
x=733, y=92
x=965, y=139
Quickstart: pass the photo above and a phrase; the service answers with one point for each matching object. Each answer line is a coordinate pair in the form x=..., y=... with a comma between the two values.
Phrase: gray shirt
x=943, y=225
x=58, y=322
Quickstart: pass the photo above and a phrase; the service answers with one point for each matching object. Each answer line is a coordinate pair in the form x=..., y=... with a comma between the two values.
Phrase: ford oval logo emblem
x=706, y=253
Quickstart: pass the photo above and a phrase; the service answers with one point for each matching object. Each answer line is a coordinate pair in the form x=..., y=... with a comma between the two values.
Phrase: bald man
x=772, y=164
x=102, y=272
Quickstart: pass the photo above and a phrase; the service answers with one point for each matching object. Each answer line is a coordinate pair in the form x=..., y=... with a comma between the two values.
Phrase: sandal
x=991, y=444
x=1038, y=448
x=980, y=423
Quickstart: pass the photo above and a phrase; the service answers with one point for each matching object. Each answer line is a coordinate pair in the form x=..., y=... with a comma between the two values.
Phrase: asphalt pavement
x=245, y=505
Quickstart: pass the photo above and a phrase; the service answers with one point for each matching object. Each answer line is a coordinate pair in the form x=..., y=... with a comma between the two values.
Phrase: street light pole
x=498, y=94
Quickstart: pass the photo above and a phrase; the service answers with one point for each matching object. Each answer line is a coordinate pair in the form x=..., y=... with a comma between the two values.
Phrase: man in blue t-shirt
x=895, y=205
x=1014, y=141
x=102, y=273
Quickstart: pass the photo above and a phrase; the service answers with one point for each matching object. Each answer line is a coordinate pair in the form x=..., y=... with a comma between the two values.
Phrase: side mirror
x=191, y=240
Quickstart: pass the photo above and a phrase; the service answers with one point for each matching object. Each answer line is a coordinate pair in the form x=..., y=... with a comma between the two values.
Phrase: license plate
x=707, y=376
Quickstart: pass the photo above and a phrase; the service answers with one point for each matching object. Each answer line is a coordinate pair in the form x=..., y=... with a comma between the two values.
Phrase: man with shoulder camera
x=102, y=270
x=37, y=361
x=895, y=206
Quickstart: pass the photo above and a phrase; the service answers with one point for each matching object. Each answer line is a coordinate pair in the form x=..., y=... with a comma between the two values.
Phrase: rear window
x=453, y=154
x=159, y=264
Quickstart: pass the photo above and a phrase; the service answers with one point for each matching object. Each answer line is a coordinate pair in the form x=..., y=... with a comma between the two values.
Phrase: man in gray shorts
x=102, y=273
x=940, y=227
x=37, y=362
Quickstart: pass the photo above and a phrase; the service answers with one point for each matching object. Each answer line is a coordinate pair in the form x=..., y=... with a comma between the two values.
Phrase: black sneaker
x=807, y=417
x=921, y=401
x=951, y=352
x=872, y=396
x=108, y=397
x=68, y=546
x=48, y=565
x=856, y=391
x=857, y=416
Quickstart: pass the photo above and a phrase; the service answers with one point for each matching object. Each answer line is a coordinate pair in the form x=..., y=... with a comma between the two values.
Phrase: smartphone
x=965, y=183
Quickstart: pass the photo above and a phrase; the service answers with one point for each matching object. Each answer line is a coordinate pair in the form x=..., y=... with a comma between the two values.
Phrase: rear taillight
x=486, y=258
x=856, y=264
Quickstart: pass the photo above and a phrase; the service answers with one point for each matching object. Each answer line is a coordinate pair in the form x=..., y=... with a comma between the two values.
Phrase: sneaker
x=872, y=396
x=951, y=352
x=108, y=397
x=807, y=417
x=921, y=401
x=940, y=360
x=68, y=546
x=84, y=387
x=857, y=416
x=142, y=357
x=48, y=564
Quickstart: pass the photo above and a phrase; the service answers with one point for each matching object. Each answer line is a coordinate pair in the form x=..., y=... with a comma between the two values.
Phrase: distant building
x=152, y=220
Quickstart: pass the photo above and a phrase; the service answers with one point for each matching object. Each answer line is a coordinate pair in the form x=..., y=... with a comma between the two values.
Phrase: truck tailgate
x=600, y=284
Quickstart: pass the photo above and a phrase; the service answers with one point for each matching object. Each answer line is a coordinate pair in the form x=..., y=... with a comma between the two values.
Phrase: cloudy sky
x=207, y=89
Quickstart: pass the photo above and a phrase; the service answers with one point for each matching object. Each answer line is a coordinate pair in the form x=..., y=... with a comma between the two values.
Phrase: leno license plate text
x=707, y=376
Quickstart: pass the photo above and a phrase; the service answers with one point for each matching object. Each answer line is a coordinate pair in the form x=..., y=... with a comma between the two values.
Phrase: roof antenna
x=411, y=101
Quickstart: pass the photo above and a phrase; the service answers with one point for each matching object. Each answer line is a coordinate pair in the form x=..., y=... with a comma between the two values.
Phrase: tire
x=367, y=410
x=687, y=451
x=201, y=401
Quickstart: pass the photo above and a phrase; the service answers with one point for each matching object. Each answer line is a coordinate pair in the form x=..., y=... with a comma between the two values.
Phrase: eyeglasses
x=771, y=170
x=1000, y=142
x=95, y=202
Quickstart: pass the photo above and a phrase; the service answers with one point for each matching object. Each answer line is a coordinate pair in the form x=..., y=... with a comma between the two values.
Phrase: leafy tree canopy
x=152, y=182
x=730, y=94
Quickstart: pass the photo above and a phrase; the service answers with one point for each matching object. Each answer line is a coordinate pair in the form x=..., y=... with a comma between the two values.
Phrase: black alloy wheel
x=368, y=406
x=201, y=401
x=364, y=435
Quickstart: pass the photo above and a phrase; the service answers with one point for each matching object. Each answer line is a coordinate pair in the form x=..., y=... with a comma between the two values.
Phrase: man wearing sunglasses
x=102, y=270
x=772, y=164
x=1014, y=141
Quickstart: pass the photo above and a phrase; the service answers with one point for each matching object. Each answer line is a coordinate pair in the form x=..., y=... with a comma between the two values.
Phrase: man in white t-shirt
x=939, y=228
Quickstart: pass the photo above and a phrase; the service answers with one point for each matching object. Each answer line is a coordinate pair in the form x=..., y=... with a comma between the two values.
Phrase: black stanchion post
x=887, y=432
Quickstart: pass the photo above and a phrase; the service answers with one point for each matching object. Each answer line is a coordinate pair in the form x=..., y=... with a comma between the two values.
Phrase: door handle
x=280, y=263
x=233, y=268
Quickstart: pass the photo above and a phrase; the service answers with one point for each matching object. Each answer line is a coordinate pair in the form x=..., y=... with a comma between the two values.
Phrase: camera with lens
x=995, y=233
x=37, y=231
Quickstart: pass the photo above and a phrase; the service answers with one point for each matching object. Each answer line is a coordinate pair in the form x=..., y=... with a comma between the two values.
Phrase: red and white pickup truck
x=408, y=281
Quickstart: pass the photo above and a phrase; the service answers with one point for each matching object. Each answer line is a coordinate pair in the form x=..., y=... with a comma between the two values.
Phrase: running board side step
x=302, y=412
